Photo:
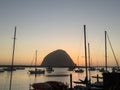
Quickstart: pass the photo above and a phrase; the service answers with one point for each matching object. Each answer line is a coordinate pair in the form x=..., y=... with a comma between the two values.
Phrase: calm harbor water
x=22, y=79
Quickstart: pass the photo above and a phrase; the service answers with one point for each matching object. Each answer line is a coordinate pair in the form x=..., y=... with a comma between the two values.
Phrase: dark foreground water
x=22, y=79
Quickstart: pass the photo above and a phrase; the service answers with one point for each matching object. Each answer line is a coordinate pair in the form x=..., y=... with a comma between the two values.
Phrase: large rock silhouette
x=58, y=58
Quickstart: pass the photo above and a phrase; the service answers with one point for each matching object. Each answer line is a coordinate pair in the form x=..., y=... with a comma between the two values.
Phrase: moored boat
x=79, y=70
x=1, y=70
x=20, y=68
x=49, y=85
x=40, y=86
x=37, y=71
x=49, y=69
x=92, y=69
x=101, y=70
x=9, y=69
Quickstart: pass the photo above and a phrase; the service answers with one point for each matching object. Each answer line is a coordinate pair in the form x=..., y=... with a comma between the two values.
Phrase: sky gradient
x=48, y=25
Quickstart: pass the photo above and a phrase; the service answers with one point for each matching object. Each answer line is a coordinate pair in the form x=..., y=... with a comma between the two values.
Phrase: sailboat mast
x=36, y=62
x=78, y=61
x=89, y=54
x=12, y=59
x=85, y=54
x=89, y=61
x=106, y=50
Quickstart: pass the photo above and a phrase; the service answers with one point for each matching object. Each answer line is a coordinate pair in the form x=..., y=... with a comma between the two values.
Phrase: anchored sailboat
x=91, y=68
x=86, y=66
x=79, y=70
x=107, y=37
x=36, y=71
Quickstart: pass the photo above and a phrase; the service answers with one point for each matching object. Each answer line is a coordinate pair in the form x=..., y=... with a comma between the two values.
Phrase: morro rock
x=58, y=58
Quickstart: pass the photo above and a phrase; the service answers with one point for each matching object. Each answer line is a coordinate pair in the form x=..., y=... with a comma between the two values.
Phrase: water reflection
x=22, y=79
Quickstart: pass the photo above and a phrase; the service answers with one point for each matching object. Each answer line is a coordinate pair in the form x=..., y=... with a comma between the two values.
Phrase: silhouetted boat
x=49, y=69
x=9, y=69
x=49, y=85
x=92, y=69
x=98, y=84
x=102, y=70
x=20, y=68
x=71, y=68
x=79, y=70
x=85, y=81
x=1, y=70
x=86, y=84
x=111, y=81
x=36, y=71
x=40, y=86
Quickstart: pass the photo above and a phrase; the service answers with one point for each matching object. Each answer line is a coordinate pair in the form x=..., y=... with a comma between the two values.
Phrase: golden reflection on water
x=22, y=79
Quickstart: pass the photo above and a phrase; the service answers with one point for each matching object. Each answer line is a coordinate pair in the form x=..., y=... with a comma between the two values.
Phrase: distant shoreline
x=53, y=66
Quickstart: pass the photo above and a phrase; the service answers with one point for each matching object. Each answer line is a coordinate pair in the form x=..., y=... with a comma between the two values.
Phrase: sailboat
x=91, y=68
x=117, y=67
x=85, y=81
x=36, y=71
x=111, y=80
x=79, y=70
x=107, y=76
x=98, y=83
x=106, y=61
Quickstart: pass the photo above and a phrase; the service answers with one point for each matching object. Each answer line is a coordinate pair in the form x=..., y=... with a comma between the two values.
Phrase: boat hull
x=36, y=72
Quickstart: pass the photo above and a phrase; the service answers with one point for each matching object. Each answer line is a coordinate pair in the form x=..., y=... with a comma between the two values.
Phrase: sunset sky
x=48, y=25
